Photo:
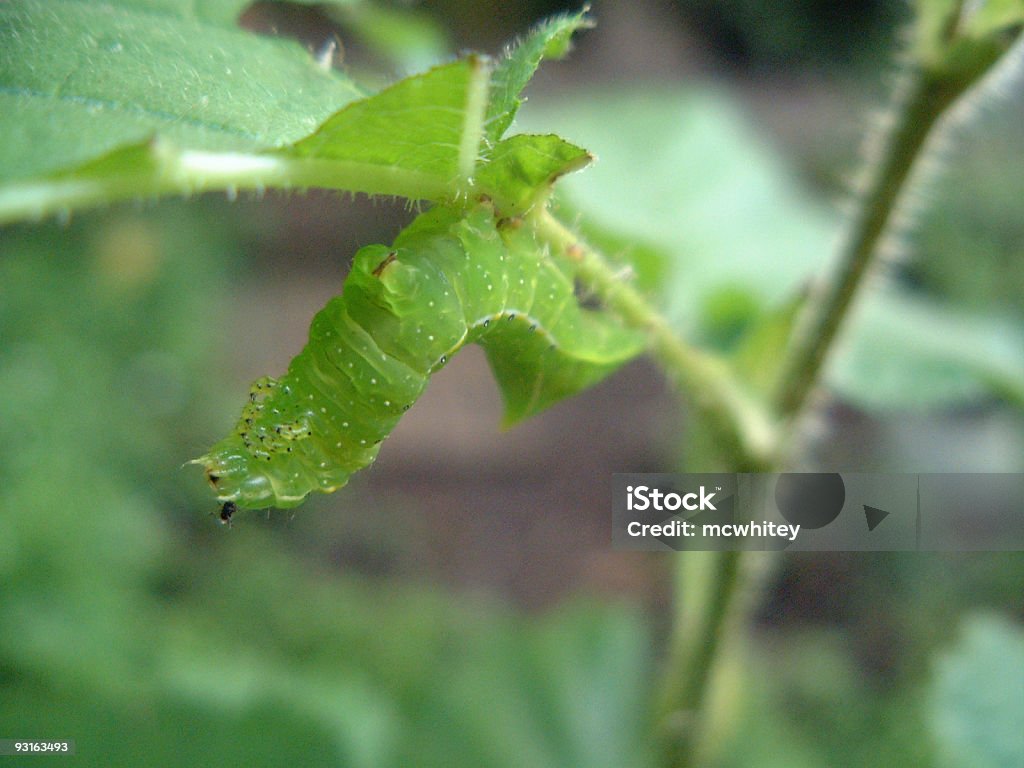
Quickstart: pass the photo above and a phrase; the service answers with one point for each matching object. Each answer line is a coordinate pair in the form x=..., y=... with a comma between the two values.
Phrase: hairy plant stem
x=706, y=588
x=919, y=101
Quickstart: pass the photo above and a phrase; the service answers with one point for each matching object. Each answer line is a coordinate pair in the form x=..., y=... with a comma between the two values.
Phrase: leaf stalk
x=706, y=378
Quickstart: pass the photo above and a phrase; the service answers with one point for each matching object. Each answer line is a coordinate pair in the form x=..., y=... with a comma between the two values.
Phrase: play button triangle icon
x=874, y=516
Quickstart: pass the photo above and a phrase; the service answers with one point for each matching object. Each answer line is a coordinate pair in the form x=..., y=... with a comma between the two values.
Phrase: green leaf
x=959, y=42
x=521, y=170
x=78, y=80
x=429, y=125
x=978, y=705
x=150, y=100
x=452, y=278
x=912, y=353
x=82, y=81
x=418, y=139
x=549, y=39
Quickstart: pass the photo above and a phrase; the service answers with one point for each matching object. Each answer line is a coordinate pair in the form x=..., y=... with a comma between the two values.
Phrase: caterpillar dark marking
x=404, y=311
x=379, y=269
x=228, y=508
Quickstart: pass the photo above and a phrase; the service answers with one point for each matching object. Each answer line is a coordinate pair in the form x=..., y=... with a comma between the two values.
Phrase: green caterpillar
x=450, y=279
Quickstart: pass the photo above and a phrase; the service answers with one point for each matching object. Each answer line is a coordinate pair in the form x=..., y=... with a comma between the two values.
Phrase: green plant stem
x=706, y=586
x=706, y=582
x=161, y=169
x=704, y=377
x=919, y=101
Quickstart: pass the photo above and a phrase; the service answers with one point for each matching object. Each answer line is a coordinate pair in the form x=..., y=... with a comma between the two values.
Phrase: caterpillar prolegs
x=450, y=279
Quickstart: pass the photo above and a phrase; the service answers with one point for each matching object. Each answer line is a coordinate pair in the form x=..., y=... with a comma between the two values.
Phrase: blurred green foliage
x=153, y=636
x=796, y=33
x=977, y=697
x=741, y=240
x=969, y=244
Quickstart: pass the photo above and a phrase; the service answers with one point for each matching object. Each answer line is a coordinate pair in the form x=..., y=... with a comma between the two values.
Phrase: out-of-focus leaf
x=810, y=703
x=682, y=169
x=904, y=352
x=405, y=35
x=978, y=697
x=96, y=321
x=570, y=692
